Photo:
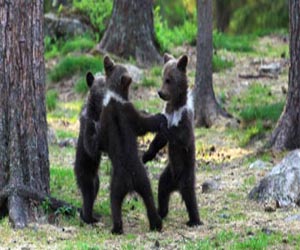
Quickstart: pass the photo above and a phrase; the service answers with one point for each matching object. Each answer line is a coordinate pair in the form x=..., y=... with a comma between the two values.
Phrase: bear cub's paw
x=194, y=223
x=156, y=224
x=117, y=230
x=91, y=220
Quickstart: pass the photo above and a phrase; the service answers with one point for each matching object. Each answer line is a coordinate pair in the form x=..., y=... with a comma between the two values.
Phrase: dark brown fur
x=180, y=171
x=120, y=125
x=88, y=154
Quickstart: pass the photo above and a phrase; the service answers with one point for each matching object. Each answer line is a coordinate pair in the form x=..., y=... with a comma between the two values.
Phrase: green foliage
x=81, y=86
x=64, y=134
x=71, y=65
x=175, y=12
x=55, y=48
x=51, y=48
x=45, y=205
x=169, y=37
x=51, y=99
x=152, y=106
x=150, y=82
x=266, y=112
x=220, y=64
x=258, y=104
x=65, y=210
x=81, y=44
x=237, y=43
x=98, y=12
x=255, y=15
x=257, y=110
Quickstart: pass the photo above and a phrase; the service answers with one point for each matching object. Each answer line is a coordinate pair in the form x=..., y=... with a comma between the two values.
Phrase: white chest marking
x=112, y=95
x=175, y=117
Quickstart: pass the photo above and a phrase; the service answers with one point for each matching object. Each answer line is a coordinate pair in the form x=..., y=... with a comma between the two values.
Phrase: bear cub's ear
x=89, y=79
x=108, y=65
x=126, y=80
x=167, y=57
x=182, y=63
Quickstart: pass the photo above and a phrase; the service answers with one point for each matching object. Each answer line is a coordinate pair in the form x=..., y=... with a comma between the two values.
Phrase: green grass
x=169, y=37
x=51, y=99
x=268, y=112
x=80, y=44
x=71, y=65
x=220, y=64
x=51, y=48
x=236, y=43
x=156, y=71
x=65, y=134
x=233, y=241
x=81, y=86
x=257, y=103
x=57, y=48
x=150, y=82
x=152, y=106
x=255, y=107
x=67, y=112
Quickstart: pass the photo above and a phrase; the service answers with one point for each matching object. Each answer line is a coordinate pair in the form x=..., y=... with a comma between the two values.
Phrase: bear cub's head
x=175, y=84
x=96, y=85
x=118, y=79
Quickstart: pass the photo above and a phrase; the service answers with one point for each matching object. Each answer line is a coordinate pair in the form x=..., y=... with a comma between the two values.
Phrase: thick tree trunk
x=286, y=135
x=207, y=110
x=130, y=32
x=223, y=13
x=24, y=161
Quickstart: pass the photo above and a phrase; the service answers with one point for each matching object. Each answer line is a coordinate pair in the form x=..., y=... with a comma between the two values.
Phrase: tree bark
x=130, y=32
x=23, y=127
x=207, y=110
x=223, y=14
x=286, y=135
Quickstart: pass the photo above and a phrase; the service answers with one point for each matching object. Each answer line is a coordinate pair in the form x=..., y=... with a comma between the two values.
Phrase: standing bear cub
x=180, y=171
x=88, y=154
x=120, y=124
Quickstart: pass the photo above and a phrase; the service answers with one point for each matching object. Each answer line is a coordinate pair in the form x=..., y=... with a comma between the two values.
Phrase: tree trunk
x=24, y=165
x=207, y=110
x=223, y=13
x=286, y=135
x=130, y=32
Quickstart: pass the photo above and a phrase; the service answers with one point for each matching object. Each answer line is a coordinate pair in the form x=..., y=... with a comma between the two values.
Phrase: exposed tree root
x=15, y=196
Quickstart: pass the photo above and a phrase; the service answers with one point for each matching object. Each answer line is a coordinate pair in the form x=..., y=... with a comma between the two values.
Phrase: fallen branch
x=250, y=76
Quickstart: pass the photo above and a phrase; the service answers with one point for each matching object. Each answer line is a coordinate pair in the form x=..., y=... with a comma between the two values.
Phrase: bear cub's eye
x=167, y=81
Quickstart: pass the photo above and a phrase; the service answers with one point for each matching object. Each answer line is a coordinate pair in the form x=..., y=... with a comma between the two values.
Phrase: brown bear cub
x=120, y=124
x=180, y=171
x=88, y=154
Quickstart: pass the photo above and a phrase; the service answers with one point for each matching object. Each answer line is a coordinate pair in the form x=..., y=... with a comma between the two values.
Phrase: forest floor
x=224, y=154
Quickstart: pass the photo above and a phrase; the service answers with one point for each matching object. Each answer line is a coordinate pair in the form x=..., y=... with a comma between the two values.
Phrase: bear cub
x=180, y=171
x=88, y=154
x=120, y=125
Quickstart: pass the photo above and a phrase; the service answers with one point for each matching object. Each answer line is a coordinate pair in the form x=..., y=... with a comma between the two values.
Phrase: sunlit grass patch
x=66, y=112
